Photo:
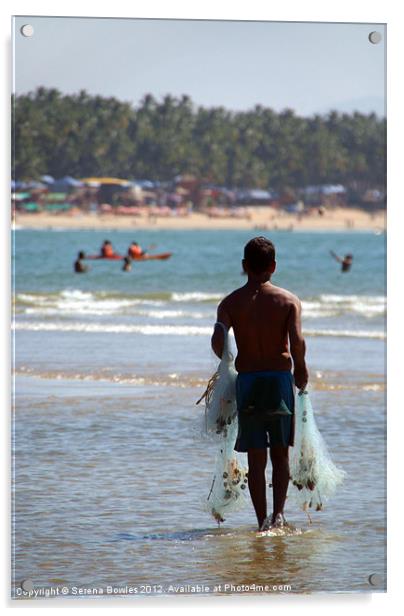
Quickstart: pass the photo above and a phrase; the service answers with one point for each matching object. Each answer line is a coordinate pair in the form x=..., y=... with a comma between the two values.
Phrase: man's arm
x=217, y=339
x=297, y=345
x=336, y=257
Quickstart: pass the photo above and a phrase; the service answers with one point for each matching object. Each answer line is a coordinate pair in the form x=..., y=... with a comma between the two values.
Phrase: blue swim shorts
x=280, y=429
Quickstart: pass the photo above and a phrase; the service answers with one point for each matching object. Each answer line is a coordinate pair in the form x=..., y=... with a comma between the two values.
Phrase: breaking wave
x=196, y=304
x=173, y=330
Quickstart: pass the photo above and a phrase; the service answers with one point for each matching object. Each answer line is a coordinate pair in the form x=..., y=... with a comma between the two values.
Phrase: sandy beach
x=259, y=218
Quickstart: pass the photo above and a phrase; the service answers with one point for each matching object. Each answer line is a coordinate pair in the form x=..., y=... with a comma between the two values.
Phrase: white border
x=294, y=10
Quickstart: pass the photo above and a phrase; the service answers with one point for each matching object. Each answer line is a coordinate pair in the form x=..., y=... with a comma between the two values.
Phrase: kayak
x=112, y=258
x=146, y=257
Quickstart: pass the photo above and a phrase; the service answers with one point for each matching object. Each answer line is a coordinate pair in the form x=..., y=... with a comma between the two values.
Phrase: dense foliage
x=83, y=135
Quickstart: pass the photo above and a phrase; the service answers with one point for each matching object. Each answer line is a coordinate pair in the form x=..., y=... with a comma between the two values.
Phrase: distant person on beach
x=107, y=250
x=266, y=321
x=135, y=251
x=79, y=266
x=127, y=264
x=346, y=262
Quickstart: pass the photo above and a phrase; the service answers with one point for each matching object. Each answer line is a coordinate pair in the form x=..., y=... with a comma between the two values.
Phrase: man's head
x=259, y=256
x=81, y=255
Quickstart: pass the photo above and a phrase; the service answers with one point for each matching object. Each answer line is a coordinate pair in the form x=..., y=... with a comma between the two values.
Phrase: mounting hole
x=27, y=30
x=27, y=585
x=375, y=37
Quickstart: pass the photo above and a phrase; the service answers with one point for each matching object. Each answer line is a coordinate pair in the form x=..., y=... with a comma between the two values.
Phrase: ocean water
x=110, y=471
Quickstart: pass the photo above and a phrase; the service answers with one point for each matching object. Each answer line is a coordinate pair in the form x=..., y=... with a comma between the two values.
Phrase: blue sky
x=308, y=67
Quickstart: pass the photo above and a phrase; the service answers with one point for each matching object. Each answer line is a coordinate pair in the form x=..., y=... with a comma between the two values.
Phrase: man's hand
x=217, y=339
x=301, y=377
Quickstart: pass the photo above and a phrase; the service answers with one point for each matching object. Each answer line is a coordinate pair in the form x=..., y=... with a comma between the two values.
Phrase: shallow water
x=110, y=483
x=110, y=470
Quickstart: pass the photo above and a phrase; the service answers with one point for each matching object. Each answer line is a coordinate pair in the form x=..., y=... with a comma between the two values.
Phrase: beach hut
x=66, y=184
x=107, y=187
x=106, y=181
x=20, y=196
x=47, y=179
x=30, y=207
x=254, y=196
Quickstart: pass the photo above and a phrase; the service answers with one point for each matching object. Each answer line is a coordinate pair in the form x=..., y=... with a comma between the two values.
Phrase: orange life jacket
x=135, y=251
x=107, y=251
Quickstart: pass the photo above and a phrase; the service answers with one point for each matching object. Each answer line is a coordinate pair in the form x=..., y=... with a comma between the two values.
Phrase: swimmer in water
x=79, y=266
x=127, y=264
x=346, y=262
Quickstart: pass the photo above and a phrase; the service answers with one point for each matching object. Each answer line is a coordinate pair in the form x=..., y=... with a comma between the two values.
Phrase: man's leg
x=257, y=461
x=280, y=477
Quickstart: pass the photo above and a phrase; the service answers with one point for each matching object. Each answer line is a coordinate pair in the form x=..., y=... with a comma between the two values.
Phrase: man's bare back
x=266, y=321
x=261, y=316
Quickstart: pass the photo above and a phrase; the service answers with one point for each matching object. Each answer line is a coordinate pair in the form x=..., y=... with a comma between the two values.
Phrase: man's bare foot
x=266, y=524
x=270, y=523
x=279, y=521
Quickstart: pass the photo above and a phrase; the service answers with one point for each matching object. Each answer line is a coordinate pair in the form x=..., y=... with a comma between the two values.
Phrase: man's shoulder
x=287, y=295
x=232, y=297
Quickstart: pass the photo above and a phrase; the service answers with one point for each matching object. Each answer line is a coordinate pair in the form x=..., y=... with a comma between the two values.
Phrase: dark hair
x=81, y=254
x=259, y=254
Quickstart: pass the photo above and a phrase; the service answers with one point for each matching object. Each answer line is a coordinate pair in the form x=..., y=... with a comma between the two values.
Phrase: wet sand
x=259, y=218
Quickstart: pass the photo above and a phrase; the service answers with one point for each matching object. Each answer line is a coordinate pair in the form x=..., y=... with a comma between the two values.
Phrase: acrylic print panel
x=146, y=153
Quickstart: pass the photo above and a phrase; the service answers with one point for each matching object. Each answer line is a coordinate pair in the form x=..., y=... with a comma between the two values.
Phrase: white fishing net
x=314, y=476
x=230, y=479
x=220, y=397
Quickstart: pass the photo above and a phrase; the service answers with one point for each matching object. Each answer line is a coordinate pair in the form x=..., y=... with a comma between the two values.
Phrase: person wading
x=266, y=321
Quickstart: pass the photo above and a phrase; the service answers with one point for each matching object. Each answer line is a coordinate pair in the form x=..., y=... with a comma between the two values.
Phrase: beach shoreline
x=257, y=218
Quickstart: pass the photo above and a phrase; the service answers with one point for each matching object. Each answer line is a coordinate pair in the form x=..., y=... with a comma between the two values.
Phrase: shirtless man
x=79, y=266
x=127, y=264
x=266, y=321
